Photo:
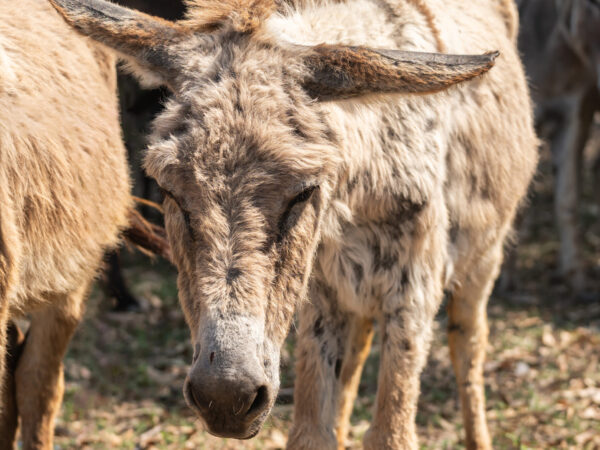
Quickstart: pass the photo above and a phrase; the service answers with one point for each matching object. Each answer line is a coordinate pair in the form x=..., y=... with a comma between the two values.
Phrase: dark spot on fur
x=366, y=178
x=431, y=124
x=383, y=260
x=211, y=357
x=404, y=278
x=318, y=328
x=330, y=359
x=232, y=274
x=392, y=134
x=485, y=192
x=454, y=229
x=352, y=183
x=406, y=345
x=295, y=125
x=331, y=135
x=358, y=272
x=238, y=106
x=474, y=184
x=454, y=327
x=338, y=367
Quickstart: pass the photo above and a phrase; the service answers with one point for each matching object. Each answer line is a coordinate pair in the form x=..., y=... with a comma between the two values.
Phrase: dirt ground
x=124, y=372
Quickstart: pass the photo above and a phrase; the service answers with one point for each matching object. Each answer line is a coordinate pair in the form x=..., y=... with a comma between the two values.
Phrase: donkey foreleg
x=405, y=323
x=323, y=332
x=39, y=374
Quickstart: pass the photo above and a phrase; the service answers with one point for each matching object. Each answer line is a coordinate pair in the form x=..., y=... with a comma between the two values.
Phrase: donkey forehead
x=240, y=129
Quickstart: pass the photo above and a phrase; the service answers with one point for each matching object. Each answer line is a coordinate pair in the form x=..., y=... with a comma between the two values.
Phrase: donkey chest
x=367, y=266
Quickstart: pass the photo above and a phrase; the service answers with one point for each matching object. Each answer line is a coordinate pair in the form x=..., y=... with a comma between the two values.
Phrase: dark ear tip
x=493, y=55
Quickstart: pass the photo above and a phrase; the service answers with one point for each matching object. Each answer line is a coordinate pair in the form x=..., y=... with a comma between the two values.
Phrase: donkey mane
x=243, y=16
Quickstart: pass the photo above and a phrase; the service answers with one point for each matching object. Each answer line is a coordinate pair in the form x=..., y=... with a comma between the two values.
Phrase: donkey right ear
x=143, y=40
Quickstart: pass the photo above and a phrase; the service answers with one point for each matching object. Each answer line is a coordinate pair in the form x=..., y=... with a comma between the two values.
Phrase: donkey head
x=248, y=166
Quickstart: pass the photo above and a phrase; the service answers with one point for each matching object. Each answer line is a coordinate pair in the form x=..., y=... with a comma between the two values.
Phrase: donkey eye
x=184, y=212
x=293, y=210
x=303, y=196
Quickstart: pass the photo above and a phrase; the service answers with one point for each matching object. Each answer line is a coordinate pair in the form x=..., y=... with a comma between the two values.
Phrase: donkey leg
x=406, y=321
x=567, y=151
x=403, y=355
x=39, y=374
x=468, y=337
x=358, y=345
x=9, y=417
x=320, y=349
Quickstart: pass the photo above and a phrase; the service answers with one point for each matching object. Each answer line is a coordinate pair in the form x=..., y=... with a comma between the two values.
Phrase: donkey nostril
x=211, y=357
x=192, y=396
x=260, y=401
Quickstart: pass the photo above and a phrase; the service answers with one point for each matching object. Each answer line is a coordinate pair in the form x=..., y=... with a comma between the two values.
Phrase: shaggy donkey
x=286, y=172
x=64, y=197
x=566, y=34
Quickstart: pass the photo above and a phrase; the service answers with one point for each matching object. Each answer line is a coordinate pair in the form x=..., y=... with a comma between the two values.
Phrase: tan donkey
x=307, y=164
x=64, y=197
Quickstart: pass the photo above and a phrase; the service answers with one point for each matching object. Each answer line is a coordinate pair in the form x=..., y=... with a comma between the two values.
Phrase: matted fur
x=370, y=207
x=64, y=197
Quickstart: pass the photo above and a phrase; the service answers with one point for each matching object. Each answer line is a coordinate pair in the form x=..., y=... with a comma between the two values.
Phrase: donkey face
x=243, y=212
x=248, y=167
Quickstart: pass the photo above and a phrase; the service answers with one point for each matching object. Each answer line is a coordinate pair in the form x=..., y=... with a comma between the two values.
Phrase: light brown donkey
x=64, y=196
x=301, y=157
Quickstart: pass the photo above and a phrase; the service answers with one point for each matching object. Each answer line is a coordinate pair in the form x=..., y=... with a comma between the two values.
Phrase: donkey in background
x=300, y=157
x=560, y=43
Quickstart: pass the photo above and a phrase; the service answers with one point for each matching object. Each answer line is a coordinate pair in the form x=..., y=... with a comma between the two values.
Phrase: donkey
x=564, y=33
x=305, y=163
x=64, y=198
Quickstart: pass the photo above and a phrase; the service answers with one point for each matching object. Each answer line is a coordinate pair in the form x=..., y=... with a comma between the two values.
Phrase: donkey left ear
x=338, y=72
x=141, y=39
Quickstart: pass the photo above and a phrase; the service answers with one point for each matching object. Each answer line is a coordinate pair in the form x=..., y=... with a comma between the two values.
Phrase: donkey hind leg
x=467, y=338
x=358, y=345
x=39, y=374
x=9, y=417
x=322, y=337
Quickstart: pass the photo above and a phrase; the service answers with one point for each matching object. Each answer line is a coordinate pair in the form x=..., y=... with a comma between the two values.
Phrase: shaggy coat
x=311, y=149
x=64, y=197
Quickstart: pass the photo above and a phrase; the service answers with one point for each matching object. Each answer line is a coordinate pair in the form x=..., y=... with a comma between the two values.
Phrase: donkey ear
x=143, y=40
x=338, y=72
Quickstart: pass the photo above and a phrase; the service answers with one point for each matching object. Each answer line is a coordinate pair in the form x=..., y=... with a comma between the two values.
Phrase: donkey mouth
x=224, y=425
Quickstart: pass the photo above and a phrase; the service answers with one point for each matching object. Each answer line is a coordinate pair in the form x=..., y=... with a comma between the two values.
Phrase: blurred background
x=126, y=365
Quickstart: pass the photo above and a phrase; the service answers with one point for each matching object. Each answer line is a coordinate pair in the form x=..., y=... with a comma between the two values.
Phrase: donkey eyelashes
x=293, y=210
